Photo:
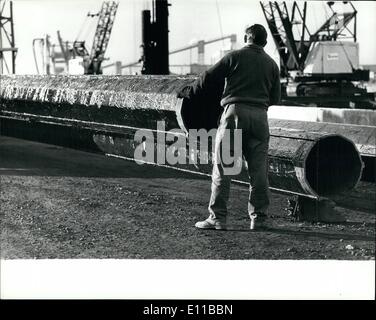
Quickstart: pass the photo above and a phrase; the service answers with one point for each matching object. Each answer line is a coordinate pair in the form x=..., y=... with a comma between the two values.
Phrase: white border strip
x=187, y=279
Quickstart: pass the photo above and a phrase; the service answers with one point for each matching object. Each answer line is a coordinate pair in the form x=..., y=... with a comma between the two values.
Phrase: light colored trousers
x=253, y=122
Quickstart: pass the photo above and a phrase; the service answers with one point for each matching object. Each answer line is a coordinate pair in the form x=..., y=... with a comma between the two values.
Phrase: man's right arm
x=208, y=82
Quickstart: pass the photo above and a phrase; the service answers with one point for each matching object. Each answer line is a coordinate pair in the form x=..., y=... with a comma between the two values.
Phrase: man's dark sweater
x=249, y=76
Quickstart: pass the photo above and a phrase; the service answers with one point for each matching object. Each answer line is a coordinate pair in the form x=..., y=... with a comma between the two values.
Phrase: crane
x=66, y=52
x=317, y=64
x=8, y=51
x=106, y=18
x=292, y=51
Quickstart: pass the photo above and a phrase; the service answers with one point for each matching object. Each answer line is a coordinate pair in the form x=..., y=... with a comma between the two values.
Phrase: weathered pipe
x=138, y=101
x=364, y=138
x=313, y=164
x=363, y=117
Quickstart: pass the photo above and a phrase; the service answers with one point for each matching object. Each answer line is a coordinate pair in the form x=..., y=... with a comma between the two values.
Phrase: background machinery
x=319, y=66
x=155, y=57
x=8, y=50
x=193, y=68
x=155, y=45
x=74, y=57
x=106, y=18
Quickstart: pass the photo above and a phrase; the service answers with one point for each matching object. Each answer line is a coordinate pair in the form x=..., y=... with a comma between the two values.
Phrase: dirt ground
x=63, y=203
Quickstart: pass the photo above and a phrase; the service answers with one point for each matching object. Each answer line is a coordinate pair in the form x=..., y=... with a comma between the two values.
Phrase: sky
x=189, y=21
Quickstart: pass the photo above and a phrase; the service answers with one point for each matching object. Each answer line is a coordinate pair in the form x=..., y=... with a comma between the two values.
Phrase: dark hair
x=257, y=33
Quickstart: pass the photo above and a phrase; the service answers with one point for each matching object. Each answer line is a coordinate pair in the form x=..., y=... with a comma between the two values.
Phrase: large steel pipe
x=308, y=163
x=138, y=101
x=364, y=117
x=364, y=138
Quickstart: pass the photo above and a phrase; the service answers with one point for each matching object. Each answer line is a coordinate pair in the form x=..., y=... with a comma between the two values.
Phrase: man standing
x=252, y=84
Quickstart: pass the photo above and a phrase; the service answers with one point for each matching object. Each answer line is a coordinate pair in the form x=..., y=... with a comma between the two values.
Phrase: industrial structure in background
x=193, y=68
x=200, y=66
x=155, y=57
x=8, y=50
x=106, y=18
x=155, y=45
x=319, y=66
x=74, y=57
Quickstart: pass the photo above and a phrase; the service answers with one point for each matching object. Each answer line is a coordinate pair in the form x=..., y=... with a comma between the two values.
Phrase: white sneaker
x=211, y=224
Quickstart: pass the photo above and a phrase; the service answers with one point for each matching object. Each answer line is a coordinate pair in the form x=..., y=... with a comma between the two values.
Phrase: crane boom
x=186, y=48
x=205, y=42
x=102, y=35
x=293, y=50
